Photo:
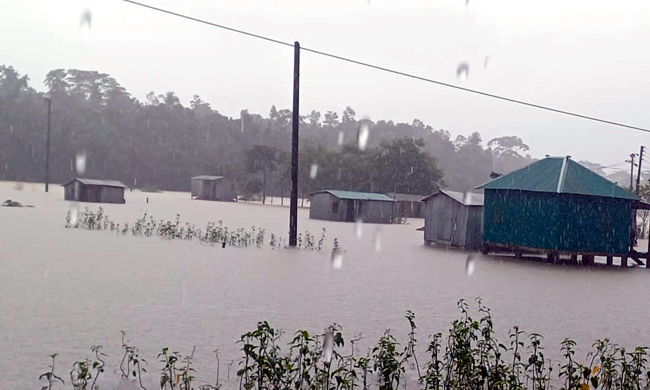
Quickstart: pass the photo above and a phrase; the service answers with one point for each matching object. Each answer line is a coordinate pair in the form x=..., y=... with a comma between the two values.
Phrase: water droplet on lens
x=313, y=171
x=358, y=228
x=328, y=346
x=469, y=265
x=462, y=71
x=74, y=214
x=364, y=134
x=376, y=241
x=340, y=138
x=337, y=258
x=485, y=62
x=81, y=162
x=85, y=23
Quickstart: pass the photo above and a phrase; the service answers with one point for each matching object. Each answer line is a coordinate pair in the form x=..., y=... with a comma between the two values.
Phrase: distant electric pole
x=295, y=121
x=632, y=164
x=47, y=145
x=638, y=175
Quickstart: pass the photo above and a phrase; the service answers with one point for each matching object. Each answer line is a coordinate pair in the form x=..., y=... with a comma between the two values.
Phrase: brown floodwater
x=65, y=290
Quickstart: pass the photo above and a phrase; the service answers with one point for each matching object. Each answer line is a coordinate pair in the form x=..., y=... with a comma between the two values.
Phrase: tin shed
x=554, y=206
x=98, y=191
x=213, y=188
x=407, y=205
x=348, y=206
x=454, y=219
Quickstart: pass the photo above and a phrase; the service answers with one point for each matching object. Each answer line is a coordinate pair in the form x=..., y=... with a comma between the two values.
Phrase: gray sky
x=589, y=56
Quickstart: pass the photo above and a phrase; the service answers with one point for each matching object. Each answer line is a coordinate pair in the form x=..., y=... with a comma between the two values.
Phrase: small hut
x=348, y=206
x=97, y=191
x=557, y=206
x=453, y=219
x=213, y=188
x=407, y=206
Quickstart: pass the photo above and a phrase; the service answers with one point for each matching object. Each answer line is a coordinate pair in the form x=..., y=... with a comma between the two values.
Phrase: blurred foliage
x=160, y=143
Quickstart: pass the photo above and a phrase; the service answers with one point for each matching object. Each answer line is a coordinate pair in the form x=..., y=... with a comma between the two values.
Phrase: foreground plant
x=469, y=357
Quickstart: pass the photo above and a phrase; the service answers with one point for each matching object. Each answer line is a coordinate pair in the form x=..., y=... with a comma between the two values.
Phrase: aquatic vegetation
x=468, y=357
x=214, y=233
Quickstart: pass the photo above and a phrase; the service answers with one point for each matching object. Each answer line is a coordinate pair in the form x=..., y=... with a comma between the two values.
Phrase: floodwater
x=65, y=290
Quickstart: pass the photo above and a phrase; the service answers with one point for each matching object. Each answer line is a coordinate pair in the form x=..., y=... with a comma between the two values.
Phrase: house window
x=335, y=207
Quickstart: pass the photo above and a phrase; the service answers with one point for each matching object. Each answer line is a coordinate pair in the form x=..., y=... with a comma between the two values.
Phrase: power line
x=368, y=65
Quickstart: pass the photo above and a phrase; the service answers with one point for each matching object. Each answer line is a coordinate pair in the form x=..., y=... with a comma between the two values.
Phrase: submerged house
x=557, y=206
x=98, y=191
x=348, y=206
x=454, y=219
x=407, y=206
x=213, y=188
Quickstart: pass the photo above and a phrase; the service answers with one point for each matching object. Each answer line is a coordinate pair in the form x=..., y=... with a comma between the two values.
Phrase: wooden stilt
x=624, y=261
x=588, y=259
x=610, y=260
x=574, y=259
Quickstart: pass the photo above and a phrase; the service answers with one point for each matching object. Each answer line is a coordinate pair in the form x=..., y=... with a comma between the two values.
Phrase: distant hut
x=213, y=188
x=98, y=191
x=557, y=206
x=407, y=206
x=454, y=219
x=348, y=206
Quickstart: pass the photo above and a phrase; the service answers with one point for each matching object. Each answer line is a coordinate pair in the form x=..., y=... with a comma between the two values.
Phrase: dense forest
x=159, y=143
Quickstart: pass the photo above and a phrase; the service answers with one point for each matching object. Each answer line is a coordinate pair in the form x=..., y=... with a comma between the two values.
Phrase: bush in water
x=214, y=232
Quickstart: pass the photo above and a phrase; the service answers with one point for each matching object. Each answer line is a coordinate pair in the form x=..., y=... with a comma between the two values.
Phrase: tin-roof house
x=349, y=206
x=90, y=190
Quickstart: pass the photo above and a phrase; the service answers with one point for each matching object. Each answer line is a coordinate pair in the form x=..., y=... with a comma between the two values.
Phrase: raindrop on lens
x=74, y=215
x=358, y=228
x=376, y=241
x=470, y=263
x=485, y=62
x=85, y=23
x=80, y=163
x=313, y=171
x=340, y=138
x=364, y=133
x=328, y=345
x=337, y=258
x=462, y=71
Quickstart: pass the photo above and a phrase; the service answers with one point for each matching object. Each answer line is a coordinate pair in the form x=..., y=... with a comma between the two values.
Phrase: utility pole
x=47, y=145
x=632, y=164
x=638, y=175
x=295, y=121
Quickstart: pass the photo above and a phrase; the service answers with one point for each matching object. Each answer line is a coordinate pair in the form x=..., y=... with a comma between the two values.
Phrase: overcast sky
x=588, y=56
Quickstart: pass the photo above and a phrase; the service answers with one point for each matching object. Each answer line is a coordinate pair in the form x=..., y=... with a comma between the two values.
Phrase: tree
x=402, y=166
x=331, y=119
x=348, y=115
x=170, y=99
x=262, y=158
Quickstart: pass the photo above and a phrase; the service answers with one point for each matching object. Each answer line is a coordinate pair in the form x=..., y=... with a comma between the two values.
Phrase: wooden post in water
x=295, y=121
x=610, y=260
x=624, y=261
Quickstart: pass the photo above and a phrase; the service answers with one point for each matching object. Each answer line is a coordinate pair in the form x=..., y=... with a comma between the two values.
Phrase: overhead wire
x=393, y=71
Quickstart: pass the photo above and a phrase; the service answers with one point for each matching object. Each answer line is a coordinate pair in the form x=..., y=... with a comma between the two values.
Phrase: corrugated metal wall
x=448, y=222
x=322, y=207
x=562, y=222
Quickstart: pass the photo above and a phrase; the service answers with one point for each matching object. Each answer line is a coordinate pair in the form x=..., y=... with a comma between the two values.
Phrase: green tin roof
x=559, y=175
x=357, y=195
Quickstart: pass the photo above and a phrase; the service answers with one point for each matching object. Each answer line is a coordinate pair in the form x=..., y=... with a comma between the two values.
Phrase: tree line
x=159, y=144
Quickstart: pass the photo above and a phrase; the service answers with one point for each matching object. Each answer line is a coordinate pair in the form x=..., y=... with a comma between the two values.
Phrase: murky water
x=64, y=290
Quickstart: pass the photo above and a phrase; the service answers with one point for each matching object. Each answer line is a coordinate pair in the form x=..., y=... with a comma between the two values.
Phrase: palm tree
x=170, y=99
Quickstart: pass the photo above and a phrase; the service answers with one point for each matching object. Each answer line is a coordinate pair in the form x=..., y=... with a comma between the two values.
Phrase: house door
x=349, y=217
